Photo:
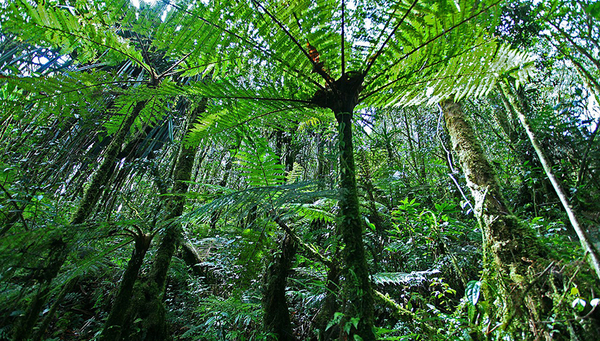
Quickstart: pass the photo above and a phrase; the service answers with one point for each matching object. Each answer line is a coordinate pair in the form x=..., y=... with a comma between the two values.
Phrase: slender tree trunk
x=586, y=244
x=511, y=249
x=58, y=254
x=117, y=316
x=39, y=333
x=277, y=316
x=358, y=293
x=153, y=314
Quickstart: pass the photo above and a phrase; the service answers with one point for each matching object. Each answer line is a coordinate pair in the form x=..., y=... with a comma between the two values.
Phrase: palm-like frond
x=260, y=201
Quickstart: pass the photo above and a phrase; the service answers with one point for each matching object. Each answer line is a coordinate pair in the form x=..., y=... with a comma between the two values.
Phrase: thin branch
x=343, y=38
x=174, y=66
x=577, y=47
x=316, y=255
x=18, y=211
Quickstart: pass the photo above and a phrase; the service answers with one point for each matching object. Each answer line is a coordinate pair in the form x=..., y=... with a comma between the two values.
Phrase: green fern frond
x=470, y=74
x=260, y=165
x=261, y=201
x=71, y=28
x=403, y=278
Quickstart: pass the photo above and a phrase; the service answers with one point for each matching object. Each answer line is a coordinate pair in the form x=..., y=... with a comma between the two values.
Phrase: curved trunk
x=511, y=249
x=116, y=318
x=153, y=310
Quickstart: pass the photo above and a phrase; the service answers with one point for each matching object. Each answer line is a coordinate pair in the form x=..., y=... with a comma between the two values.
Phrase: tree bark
x=277, y=317
x=511, y=249
x=358, y=293
x=586, y=244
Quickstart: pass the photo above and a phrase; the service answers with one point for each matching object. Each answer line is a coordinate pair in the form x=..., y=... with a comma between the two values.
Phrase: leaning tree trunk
x=511, y=249
x=152, y=309
x=586, y=244
x=58, y=253
x=117, y=316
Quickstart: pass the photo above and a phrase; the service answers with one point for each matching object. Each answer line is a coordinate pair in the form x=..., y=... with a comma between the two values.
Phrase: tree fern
x=262, y=201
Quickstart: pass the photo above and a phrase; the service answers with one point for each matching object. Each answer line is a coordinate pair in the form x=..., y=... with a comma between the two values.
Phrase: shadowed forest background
x=299, y=170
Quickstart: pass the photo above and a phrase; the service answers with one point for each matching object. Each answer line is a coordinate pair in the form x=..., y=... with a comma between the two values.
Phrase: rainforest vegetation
x=299, y=170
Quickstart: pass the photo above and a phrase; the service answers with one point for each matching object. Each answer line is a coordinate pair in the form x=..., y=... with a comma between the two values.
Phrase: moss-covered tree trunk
x=152, y=309
x=341, y=96
x=117, y=316
x=512, y=251
x=358, y=293
x=59, y=248
x=277, y=317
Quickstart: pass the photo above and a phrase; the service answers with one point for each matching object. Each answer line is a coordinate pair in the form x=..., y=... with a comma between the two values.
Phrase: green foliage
x=227, y=319
x=260, y=165
x=71, y=73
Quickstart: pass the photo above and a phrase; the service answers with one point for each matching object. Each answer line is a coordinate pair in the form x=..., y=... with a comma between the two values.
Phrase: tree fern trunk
x=511, y=249
x=58, y=255
x=358, y=294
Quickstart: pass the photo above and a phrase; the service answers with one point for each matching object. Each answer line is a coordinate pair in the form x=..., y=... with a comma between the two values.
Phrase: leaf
x=473, y=291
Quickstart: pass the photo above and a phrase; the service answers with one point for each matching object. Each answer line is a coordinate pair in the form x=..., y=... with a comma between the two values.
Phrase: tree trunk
x=58, y=254
x=116, y=319
x=358, y=293
x=586, y=244
x=511, y=249
x=341, y=96
x=277, y=317
x=153, y=310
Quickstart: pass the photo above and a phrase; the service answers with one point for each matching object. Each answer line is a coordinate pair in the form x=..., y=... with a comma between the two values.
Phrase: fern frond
x=261, y=201
x=403, y=278
x=72, y=29
x=470, y=74
x=260, y=165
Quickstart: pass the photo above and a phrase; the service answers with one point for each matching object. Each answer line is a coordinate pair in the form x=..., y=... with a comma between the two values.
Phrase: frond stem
x=443, y=33
x=374, y=58
x=316, y=67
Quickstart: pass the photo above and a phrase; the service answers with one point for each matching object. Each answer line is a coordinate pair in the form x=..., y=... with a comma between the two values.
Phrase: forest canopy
x=299, y=170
